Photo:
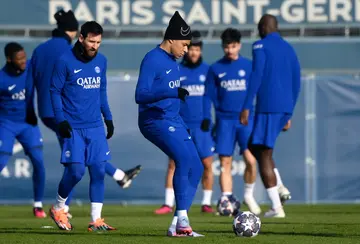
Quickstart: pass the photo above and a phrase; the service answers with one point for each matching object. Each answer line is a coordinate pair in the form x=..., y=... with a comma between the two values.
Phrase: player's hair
x=12, y=48
x=230, y=35
x=91, y=27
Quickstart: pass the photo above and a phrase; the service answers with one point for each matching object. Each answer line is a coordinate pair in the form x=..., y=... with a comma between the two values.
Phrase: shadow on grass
x=30, y=231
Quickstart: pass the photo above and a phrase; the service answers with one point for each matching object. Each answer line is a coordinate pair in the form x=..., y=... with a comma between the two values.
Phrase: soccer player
x=78, y=96
x=275, y=81
x=226, y=87
x=43, y=62
x=193, y=75
x=18, y=119
x=158, y=94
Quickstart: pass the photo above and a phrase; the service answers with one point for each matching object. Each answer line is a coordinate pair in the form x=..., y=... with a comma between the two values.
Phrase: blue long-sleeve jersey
x=43, y=62
x=275, y=79
x=226, y=86
x=16, y=96
x=193, y=80
x=157, y=87
x=78, y=91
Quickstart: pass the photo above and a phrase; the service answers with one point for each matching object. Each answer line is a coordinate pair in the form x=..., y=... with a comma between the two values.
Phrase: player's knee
x=97, y=172
x=4, y=158
x=207, y=163
x=37, y=158
x=171, y=165
x=225, y=162
x=77, y=171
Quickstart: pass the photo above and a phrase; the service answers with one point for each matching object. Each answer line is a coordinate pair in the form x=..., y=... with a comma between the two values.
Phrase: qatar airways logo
x=89, y=82
x=174, y=84
x=234, y=85
x=195, y=90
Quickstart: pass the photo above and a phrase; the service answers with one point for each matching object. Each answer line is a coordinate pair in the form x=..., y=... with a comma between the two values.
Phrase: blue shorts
x=230, y=131
x=203, y=142
x=29, y=136
x=86, y=146
x=172, y=138
x=267, y=127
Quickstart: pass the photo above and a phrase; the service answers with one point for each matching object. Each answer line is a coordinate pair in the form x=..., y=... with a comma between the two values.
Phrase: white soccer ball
x=246, y=224
x=224, y=206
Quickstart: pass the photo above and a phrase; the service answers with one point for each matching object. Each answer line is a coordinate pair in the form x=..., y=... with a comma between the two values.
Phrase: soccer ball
x=225, y=207
x=246, y=224
x=236, y=205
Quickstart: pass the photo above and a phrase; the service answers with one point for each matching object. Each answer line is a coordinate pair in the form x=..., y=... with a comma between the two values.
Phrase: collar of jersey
x=162, y=50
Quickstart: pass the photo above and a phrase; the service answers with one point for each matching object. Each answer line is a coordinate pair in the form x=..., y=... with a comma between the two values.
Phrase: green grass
x=328, y=224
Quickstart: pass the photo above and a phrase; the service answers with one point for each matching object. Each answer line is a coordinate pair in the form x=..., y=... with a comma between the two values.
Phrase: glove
x=65, y=129
x=110, y=128
x=31, y=118
x=205, y=125
x=182, y=93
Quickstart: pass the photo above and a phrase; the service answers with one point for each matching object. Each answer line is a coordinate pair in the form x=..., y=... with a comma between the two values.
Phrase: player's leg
x=205, y=147
x=284, y=192
x=97, y=154
x=123, y=178
x=50, y=123
x=243, y=135
x=7, y=139
x=266, y=129
x=169, y=190
x=177, y=144
x=31, y=140
x=194, y=176
x=72, y=157
x=225, y=144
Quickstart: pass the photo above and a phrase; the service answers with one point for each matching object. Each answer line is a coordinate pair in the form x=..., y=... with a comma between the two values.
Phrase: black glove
x=110, y=128
x=31, y=118
x=205, y=125
x=65, y=129
x=182, y=93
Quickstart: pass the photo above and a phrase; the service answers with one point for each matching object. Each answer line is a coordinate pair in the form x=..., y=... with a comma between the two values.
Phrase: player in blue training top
x=193, y=75
x=226, y=87
x=275, y=82
x=78, y=96
x=158, y=94
x=18, y=119
x=43, y=62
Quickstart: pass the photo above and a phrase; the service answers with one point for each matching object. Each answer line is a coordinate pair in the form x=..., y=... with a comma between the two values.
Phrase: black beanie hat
x=66, y=21
x=177, y=29
x=196, y=39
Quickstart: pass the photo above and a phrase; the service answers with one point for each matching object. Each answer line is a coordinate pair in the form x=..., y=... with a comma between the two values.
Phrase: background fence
x=318, y=158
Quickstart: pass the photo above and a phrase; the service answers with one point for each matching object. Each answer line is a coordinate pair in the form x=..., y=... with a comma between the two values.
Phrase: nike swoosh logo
x=168, y=71
x=11, y=87
x=185, y=32
x=222, y=75
x=107, y=153
x=77, y=70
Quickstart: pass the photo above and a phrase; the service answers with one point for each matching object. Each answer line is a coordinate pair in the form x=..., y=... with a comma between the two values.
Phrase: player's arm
x=296, y=74
x=259, y=60
x=57, y=84
x=29, y=95
x=145, y=91
x=208, y=98
x=105, y=108
x=210, y=94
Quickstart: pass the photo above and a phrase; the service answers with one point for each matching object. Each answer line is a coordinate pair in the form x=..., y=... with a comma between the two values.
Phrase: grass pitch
x=303, y=224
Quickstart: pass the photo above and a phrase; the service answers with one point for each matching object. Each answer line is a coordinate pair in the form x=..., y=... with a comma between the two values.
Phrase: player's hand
x=31, y=119
x=182, y=93
x=65, y=129
x=110, y=128
x=287, y=126
x=205, y=125
x=244, y=117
